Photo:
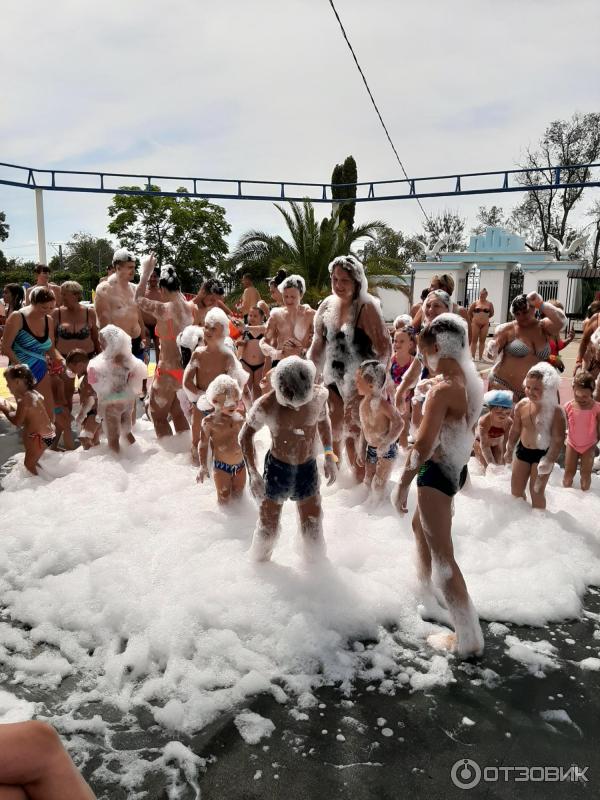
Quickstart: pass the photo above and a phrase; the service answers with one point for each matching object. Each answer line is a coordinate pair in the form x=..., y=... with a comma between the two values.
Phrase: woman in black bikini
x=349, y=328
x=480, y=314
x=75, y=329
x=249, y=352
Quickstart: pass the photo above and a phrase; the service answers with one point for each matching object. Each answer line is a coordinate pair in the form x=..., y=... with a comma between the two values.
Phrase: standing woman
x=29, y=339
x=520, y=344
x=173, y=313
x=13, y=298
x=75, y=328
x=274, y=282
x=349, y=328
x=480, y=314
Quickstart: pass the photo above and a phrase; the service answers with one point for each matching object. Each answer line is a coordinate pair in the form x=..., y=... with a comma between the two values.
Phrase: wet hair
x=449, y=325
x=20, y=372
x=374, y=372
x=260, y=310
x=223, y=384
x=122, y=256
x=77, y=356
x=584, y=380
x=355, y=270
x=213, y=286
x=293, y=282
x=445, y=281
x=40, y=294
x=17, y=294
x=520, y=303
x=41, y=268
x=278, y=278
x=72, y=286
x=168, y=279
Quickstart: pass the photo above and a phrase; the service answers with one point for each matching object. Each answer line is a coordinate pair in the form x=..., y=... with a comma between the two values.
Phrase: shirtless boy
x=29, y=414
x=538, y=430
x=294, y=412
x=380, y=424
x=209, y=360
x=290, y=328
x=87, y=420
x=221, y=429
x=493, y=427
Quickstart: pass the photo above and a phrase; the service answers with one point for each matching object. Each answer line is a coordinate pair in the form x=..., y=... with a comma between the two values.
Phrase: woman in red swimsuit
x=172, y=314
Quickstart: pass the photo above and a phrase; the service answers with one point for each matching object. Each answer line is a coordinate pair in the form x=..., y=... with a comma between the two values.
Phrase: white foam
x=252, y=727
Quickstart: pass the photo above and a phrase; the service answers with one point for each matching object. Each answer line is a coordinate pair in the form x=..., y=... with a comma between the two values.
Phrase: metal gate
x=515, y=288
x=472, y=286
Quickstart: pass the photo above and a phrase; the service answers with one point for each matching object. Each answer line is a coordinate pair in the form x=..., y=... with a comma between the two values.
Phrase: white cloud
x=268, y=90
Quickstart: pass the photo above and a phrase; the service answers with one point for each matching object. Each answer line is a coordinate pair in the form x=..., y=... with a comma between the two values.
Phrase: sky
x=268, y=90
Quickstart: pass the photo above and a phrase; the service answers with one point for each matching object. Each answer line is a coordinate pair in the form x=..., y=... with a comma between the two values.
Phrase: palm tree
x=313, y=245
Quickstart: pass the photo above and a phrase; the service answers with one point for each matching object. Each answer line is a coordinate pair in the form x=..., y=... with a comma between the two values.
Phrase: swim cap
x=498, y=398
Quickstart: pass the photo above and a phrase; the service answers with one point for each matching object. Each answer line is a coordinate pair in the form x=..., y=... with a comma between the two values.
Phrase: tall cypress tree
x=345, y=173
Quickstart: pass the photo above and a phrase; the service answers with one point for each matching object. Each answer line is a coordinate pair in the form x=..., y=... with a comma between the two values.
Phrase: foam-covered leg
x=311, y=526
x=263, y=543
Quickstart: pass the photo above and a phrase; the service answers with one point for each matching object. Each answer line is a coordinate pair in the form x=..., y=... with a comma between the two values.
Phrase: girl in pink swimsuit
x=583, y=419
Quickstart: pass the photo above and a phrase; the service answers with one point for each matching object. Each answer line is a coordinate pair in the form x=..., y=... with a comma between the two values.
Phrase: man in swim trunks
x=295, y=411
x=115, y=301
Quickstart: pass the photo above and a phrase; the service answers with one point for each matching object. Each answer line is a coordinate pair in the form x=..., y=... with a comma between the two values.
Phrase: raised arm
x=554, y=319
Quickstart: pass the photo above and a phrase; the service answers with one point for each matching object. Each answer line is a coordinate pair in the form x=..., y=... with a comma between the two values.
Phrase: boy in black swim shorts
x=295, y=411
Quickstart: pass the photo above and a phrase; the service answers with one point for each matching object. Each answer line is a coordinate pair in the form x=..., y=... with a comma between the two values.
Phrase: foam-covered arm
x=514, y=435
x=189, y=381
x=84, y=409
x=267, y=343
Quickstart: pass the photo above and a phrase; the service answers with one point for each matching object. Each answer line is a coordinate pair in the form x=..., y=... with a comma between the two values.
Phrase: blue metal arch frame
x=573, y=176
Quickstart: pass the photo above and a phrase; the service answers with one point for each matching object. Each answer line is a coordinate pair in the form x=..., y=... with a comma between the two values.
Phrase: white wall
x=531, y=278
x=393, y=303
x=496, y=282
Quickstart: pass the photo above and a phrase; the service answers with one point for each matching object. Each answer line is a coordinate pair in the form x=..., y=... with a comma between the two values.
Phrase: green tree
x=390, y=251
x=310, y=248
x=182, y=231
x=4, y=227
x=488, y=217
x=84, y=254
x=449, y=224
x=345, y=173
x=565, y=144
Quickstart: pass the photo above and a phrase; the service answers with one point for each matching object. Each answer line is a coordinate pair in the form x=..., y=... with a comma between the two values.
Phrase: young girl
x=249, y=352
x=583, y=420
x=29, y=414
x=538, y=431
x=116, y=376
x=439, y=457
x=220, y=429
x=62, y=406
x=403, y=356
x=494, y=427
x=87, y=420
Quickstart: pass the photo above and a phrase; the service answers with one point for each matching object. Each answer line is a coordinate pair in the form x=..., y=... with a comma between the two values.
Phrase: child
x=62, y=411
x=538, y=431
x=380, y=426
x=583, y=420
x=87, y=420
x=210, y=359
x=494, y=427
x=404, y=345
x=249, y=352
x=29, y=414
x=116, y=376
x=294, y=412
x=220, y=429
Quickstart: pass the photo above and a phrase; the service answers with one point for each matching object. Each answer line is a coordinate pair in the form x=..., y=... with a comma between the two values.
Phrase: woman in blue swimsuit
x=29, y=339
x=518, y=345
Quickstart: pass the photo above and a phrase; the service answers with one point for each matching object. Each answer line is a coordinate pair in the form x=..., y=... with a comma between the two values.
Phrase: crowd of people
x=336, y=380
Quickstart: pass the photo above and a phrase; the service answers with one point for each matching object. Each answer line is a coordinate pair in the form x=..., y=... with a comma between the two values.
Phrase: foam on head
x=520, y=303
x=443, y=296
x=293, y=282
x=451, y=336
x=191, y=337
x=549, y=402
x=115, y=340
x=216, y=316
x=549, y=377
x=354, y=268
x=374, y=372
x=123, y=254
x=402, y=321
x=293, y=381
x=224, y=385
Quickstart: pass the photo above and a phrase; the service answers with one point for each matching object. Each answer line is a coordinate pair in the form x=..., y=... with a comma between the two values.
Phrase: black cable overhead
x=362, y=75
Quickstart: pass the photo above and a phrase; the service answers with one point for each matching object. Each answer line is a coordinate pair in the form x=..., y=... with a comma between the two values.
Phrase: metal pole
x=41, y=232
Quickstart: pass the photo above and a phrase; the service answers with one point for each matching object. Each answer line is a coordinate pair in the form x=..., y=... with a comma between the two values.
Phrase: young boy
x=538, y=431
x=87, y=420
x=494, y=427
x=116, y=376
x=294, y=412
x=62, y=413
x=380, y=424
x=210, y=359
x=29, y=414
x=221, y=429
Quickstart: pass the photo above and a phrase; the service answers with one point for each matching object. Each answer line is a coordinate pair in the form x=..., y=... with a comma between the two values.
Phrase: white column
x=41, y=231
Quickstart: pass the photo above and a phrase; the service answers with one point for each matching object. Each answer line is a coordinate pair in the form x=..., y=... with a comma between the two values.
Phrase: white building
x=500, y=262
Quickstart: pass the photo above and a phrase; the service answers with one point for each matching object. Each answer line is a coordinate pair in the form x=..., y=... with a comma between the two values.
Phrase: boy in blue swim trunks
x=220, y=429
x=295, y=411
x=380, y=424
